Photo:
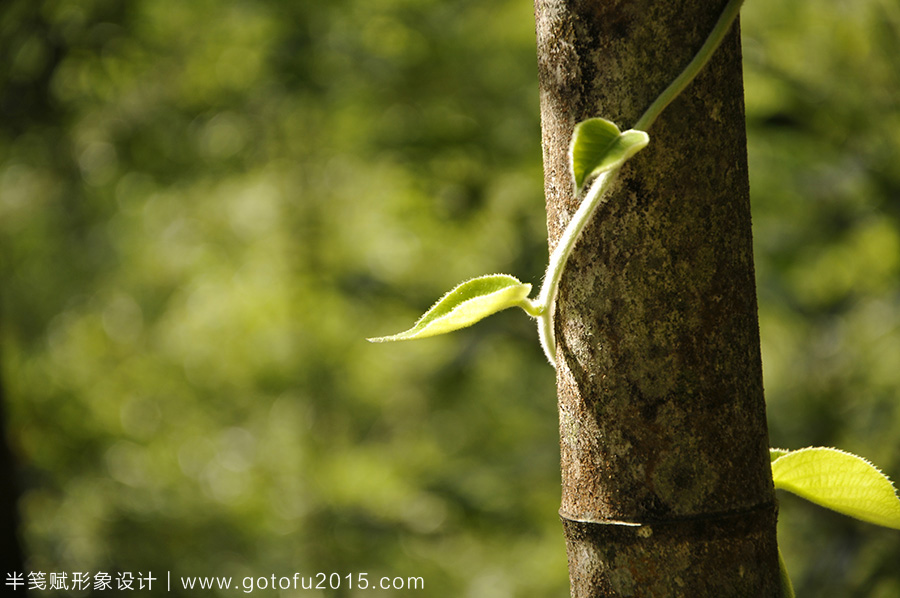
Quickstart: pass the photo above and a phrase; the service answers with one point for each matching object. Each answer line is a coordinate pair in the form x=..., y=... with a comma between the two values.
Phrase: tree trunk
x=666, y=484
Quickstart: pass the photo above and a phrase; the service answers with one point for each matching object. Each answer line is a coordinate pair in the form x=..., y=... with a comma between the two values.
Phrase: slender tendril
x=560, y=257
x=721, y=28
x=787, y=588
x=545, y=305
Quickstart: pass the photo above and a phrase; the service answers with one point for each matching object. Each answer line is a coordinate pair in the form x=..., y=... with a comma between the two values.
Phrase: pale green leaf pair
x=838, y=481
x=466, y=304
x=599, y=146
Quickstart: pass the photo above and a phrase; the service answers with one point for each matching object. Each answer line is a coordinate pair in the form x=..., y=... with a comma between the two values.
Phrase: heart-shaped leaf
x=598, y=146
x=466, y=304
x=839, y=481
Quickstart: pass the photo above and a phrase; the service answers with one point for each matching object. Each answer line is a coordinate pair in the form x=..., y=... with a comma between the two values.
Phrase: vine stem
x=543, y=309
x=787, y=588
x=547, y=297
x=721, y=28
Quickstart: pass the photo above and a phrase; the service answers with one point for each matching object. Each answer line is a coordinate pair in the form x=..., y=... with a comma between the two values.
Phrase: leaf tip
x=465, y=304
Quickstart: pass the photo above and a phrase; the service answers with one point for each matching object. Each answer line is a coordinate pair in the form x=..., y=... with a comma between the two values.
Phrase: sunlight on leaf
x=775, y=453
x=598, y=146
x=466, y=304
x=839, y=481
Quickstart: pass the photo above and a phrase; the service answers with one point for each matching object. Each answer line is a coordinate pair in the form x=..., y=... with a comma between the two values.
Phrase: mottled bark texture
x=662, y=416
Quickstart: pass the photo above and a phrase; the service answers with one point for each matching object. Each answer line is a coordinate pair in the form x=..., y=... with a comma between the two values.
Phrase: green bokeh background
x=205, y=207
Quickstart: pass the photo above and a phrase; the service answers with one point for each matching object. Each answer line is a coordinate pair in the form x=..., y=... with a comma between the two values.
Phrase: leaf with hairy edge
x=598, y=146
x=466, y=304
x=839, y=481
x=775, y=453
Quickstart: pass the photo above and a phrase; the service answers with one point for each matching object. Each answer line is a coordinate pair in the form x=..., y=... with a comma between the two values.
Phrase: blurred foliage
x=822, y=87
x=205, y=207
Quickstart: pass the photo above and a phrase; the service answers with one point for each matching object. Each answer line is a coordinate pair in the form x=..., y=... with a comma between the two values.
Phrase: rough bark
x=667, y=488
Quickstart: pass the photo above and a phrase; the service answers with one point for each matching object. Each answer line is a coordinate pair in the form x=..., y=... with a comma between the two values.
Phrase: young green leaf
x=465, y=304
x=775, y=453
x=598, y=146
x=839, y=481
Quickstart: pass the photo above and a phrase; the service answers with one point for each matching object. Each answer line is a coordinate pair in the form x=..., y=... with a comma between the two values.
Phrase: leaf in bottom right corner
x=839, y=481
